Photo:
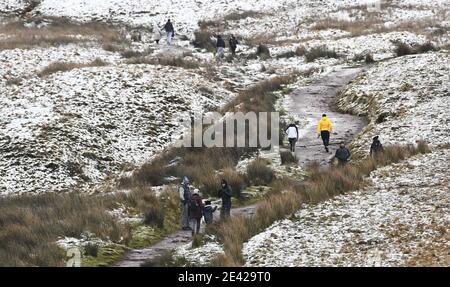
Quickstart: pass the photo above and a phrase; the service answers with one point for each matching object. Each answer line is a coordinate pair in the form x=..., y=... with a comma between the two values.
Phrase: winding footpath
x=136, y=257
x=307, y=103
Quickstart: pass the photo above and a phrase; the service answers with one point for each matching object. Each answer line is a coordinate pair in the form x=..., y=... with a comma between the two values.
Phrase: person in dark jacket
x=233, y=42
x=220, y=45
x=225, y=194
x=208, y=212
x=376, y=146
x=170, y=32
x=195, y=211
x=342, y=154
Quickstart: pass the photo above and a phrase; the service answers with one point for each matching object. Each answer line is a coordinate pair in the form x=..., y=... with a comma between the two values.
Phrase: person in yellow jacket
x=324, y=128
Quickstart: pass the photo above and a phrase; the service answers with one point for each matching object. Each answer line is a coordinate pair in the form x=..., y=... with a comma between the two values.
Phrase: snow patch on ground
x=76, y=128
x=200, y=256
x=406, y=99
x=402, y=216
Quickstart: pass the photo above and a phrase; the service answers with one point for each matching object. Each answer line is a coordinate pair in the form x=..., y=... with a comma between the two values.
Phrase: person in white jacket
x=185, y=196
x=292, y=133
x=156, y=33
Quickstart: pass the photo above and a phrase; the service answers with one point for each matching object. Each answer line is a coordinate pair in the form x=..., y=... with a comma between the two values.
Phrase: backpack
x=193, y=206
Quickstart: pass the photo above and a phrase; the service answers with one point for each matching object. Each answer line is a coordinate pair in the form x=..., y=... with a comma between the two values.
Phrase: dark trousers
x=292, y=142
x=325, y=138
x=195, y=225
x=225, y=212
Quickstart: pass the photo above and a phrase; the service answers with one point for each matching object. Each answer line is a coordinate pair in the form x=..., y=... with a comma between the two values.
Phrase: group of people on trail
x=324, y=129
x=220, y=46
x=220, y=42
x=193, y=209
x=168, y=28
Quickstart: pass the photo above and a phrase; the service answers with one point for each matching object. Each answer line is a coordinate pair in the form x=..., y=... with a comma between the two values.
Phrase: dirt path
x=135, y=257
x=309, y=103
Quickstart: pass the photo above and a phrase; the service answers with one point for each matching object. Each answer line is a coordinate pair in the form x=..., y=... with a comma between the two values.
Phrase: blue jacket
x=208, y=213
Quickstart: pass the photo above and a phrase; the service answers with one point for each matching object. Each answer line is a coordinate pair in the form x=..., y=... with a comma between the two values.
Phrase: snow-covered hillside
x=73, y=129
x=76, y=128
x=401, y=219
x=406, y=99
x=114, y=100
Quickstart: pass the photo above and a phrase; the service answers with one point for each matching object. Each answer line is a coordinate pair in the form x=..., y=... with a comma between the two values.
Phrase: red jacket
x=198, y=213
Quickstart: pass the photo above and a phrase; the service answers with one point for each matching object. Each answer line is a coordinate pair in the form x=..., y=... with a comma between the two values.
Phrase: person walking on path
x=170, y=32
x=225, y=195
x=292, y=134
x=185, y=196
x=233, y=42
x=376, y=146
x=195, y=211
x=156, y=33
x=342, y=154
x=220, y=45
x=324, y=129
x=208, y=212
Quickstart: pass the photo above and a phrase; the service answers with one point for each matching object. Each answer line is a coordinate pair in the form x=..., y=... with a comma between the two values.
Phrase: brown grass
x=259, y=97
x=29, y=224
x=261, y=39
x=161, y=212
x=367, y=58
x=259, y=173
x=262, y=51
x=356, y=27
x=174, y=62
x=58, y=32
x=403, y=49
x=14, y=81
x=288, y=158
x=203, y=39
x=320, y=185
x=206, y=166
x=299, y=52
x=197, y=241
x=236, y=15
x=67, y=66
x=320, y=52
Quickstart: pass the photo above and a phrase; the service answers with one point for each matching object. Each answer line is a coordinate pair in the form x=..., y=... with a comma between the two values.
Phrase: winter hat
x=196, y=191
x=207, y=202
x=375, y=138
x=324, y=115
x=185, y=180
x=224, y=182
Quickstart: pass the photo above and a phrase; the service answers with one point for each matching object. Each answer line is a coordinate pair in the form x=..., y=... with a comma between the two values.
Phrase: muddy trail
x=308, y=103
x=136, y=257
